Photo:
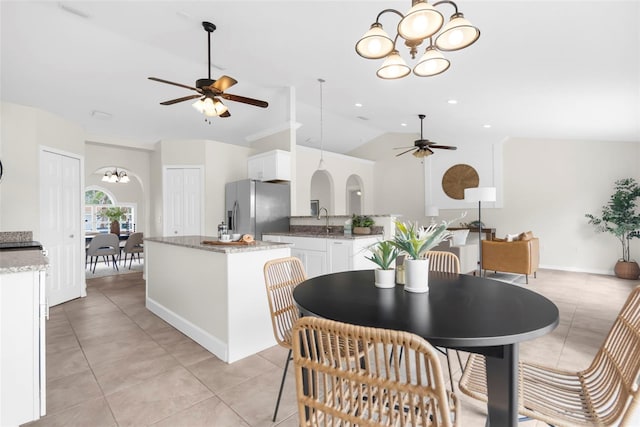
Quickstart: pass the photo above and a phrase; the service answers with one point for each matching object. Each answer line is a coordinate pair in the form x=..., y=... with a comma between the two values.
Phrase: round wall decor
x=457, y=178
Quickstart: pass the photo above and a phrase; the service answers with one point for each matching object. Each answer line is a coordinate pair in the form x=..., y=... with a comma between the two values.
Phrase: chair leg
x=115, y=263
x=526, y=279
x=453, y=389
x=284, y=376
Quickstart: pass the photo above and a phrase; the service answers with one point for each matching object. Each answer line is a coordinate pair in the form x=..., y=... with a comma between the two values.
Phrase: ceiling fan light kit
x=422, y=22
x=211, y=91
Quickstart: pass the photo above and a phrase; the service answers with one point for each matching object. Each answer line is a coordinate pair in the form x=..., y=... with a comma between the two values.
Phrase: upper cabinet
x=272, y=165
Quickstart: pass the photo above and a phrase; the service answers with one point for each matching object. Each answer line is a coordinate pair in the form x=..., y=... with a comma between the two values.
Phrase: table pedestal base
x=502, y=387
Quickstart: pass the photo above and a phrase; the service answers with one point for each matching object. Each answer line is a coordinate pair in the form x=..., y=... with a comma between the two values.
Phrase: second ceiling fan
x=422, y=147
x=210, y=91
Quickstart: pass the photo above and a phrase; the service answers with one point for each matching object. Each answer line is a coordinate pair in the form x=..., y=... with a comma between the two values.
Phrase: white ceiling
x=541, y=69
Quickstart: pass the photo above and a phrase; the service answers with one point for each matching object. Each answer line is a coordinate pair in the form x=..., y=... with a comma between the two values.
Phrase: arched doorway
x=322, y=190
x=355, y=195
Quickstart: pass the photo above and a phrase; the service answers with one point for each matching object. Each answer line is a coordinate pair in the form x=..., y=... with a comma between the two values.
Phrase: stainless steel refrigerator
x=257, y=207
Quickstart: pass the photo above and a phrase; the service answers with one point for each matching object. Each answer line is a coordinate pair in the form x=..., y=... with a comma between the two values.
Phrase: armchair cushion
x=520, y=256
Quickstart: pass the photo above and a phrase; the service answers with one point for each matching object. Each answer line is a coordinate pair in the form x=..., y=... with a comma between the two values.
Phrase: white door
x=60, y=225
x=183, y=201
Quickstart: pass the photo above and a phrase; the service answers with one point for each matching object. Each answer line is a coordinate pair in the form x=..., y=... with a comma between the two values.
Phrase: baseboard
x=577, y=270
x=206, y=340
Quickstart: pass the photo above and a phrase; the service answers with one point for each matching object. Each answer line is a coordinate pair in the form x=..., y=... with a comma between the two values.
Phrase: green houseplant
x=361, y=224
x=383, y=254
x=620, y=217
x=415, y=241
x=114, y=215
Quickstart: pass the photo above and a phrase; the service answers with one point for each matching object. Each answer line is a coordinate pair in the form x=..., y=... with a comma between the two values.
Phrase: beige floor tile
x=59, y=343
x=220, y=376
x=276, y=355
x=188, y=352
x=65, y=392
x=67, y=362
x=103, y=326
x=167, y=336
x=211, y=412
x=255, y=399
x=148, y=321
x=98, y=350
x=157, y=398
x=94, y=413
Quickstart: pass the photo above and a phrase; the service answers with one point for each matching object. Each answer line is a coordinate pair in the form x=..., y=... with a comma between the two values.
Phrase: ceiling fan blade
x=405, y=152
x=173, y=83
x=243, y=99
x=403, y=148
x=446, y=147
x=184, y=98
x=223, y=83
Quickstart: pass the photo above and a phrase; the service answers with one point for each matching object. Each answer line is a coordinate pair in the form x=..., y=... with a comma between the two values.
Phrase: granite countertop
x=195, y=242
x=20, y=261
x=323, y=235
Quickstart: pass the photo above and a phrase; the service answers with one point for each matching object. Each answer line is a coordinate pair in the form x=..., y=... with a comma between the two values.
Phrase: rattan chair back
x=281, y=276
x=368, y=389
x=604, y=394
x=446, y=262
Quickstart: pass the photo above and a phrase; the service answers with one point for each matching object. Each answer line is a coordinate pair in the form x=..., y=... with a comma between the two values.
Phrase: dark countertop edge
x=194, y=242
x=341, y=216
x=325, y=236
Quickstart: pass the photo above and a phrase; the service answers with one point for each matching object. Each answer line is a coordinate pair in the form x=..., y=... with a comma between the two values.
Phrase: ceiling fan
x=422, y=147
x=210, y=91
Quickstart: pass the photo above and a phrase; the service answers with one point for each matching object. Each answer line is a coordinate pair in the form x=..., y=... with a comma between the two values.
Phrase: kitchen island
x=213, y=293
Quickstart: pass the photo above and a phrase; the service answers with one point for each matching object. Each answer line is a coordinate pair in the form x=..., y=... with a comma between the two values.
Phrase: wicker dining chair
x=375, y=391
x=446, y=262
x=281, y=276
x=604, y=394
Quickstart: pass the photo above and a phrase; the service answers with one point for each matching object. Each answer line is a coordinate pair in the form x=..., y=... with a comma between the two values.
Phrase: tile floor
x=111, y=362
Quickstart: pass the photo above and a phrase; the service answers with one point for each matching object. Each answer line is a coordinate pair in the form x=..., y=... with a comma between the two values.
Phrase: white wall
x=23, y=131
x=339, y=167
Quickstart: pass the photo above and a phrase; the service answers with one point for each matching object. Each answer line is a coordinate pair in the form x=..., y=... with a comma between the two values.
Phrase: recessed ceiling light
x=358, y=104
x=403, y=124
x=486, y=126
x=452, y=101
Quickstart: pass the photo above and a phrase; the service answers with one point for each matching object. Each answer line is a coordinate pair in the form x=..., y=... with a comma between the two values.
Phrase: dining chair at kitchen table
x=103, y=245
x=281, y=276
x=333, y=389
x=604, y=394
x=133, y=246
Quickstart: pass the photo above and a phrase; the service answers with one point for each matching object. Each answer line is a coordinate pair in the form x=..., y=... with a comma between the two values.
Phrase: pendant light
x=321, y=165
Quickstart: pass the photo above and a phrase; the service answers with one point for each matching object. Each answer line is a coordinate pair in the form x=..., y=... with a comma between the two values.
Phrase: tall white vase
x=416, y=273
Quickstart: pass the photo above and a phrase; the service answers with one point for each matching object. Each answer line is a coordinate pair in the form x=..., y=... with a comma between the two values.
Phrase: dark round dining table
x=460, y=311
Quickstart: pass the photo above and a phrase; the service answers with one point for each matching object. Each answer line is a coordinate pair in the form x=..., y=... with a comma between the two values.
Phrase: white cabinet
x=22, y=345
x=272, y=165
x=321, y=255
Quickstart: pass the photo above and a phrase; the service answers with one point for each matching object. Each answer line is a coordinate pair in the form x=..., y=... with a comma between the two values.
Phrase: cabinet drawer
x=306, y=243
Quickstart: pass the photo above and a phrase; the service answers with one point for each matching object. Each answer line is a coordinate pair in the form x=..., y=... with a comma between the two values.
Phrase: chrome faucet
x=326, y=217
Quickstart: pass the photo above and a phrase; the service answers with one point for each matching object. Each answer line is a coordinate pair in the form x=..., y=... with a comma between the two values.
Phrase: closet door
x=183, y=204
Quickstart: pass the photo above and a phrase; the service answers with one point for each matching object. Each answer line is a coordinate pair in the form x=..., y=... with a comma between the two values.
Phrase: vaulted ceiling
x=541, y=69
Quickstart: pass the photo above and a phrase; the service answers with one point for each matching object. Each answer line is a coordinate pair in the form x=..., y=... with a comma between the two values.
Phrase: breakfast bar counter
x=213, y=293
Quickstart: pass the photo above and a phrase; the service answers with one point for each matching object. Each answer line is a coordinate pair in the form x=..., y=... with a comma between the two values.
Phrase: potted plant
x=383, y=254
x=414, y=241
x=115, y=215
x=361, y=224
x=621, y=218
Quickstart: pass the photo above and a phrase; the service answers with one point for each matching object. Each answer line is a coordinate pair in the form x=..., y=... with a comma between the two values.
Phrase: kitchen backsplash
x=16, y=236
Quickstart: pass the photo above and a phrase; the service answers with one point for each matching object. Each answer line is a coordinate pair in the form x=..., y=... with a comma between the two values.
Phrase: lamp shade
x=375, y=43
x=431, y=63
x=457, y=34
x=420, y=22
x=393, y=67
x=480, y=194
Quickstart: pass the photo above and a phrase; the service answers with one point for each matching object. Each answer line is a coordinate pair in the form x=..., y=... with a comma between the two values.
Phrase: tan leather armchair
x=520, y=256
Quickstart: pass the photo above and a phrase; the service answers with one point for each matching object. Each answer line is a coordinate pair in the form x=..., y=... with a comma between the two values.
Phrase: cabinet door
x=316, y=263
x=340, y=255
x=254, y=168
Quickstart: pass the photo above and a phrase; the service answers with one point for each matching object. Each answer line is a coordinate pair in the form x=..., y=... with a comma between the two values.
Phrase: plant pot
x=361, y=230
x=627, y=270
x=416, y=275
x=385, y=278
x=115, y=228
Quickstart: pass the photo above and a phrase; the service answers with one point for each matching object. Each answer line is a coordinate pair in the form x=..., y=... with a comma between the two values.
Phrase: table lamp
x=432, y=212
x=480, y=194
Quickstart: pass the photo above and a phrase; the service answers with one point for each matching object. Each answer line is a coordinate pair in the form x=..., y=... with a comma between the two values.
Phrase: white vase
x=385, y=278
x=416, y=275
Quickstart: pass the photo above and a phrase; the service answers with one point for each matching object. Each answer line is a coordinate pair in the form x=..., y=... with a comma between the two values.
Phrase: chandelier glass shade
x=423, y=22
x=210, y=107
x=116, y=176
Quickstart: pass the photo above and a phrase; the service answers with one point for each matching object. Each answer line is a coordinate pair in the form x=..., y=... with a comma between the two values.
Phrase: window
x=96, y=202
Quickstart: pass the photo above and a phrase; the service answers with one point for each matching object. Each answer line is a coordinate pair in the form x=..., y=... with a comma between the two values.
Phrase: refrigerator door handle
x=235, y=215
